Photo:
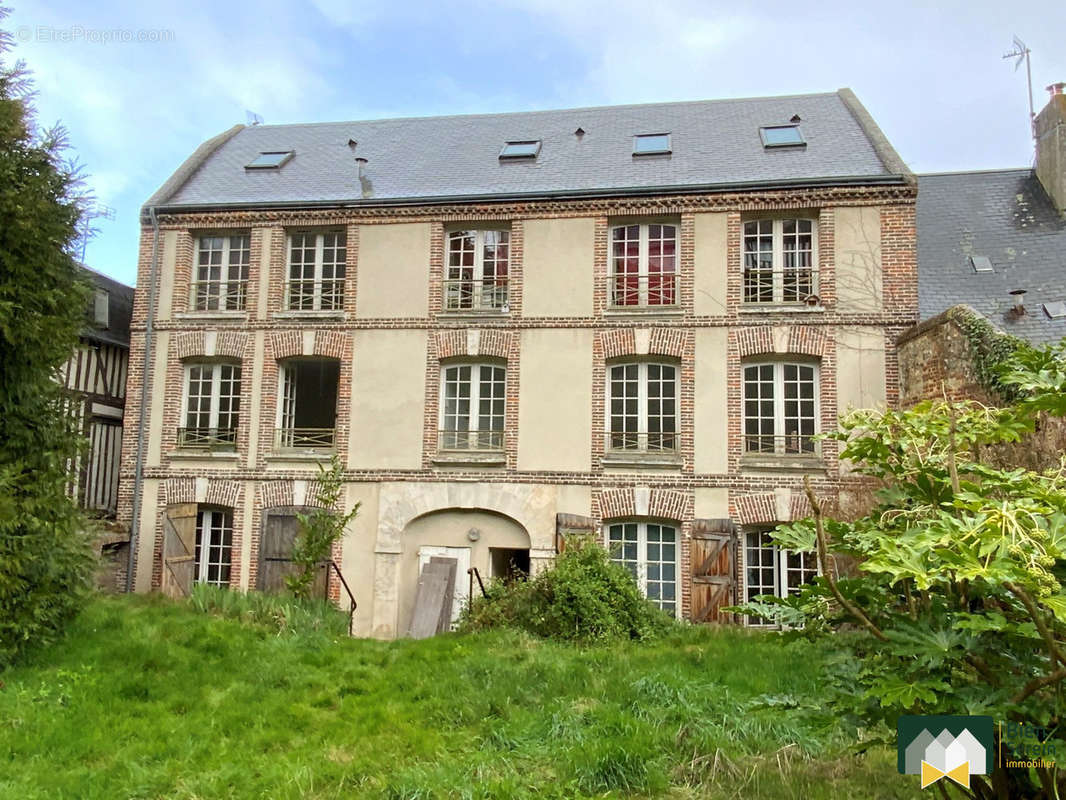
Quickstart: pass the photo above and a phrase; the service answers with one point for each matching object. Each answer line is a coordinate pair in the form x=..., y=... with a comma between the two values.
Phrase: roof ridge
x=707, y=101
x=991, y=170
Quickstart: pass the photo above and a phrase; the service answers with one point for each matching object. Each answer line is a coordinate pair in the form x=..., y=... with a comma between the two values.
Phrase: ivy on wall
x=990, y=351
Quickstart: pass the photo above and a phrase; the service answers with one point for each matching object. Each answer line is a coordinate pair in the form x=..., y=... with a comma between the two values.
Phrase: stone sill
x=305, y=455
x=451, y=459
x=782, y=463
x=339, y=315
x=212, y=316
x=204, y=455
x=468, y=314
x=780, y=308
x=641, y=461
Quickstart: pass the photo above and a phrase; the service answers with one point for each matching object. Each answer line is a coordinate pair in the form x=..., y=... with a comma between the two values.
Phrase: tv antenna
x=1021, y=53
x=252, y=118
x=87, y=232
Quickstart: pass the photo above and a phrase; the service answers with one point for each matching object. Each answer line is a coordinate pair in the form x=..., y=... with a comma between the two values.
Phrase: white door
x=462, y=580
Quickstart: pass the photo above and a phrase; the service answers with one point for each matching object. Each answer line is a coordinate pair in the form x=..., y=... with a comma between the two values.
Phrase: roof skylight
x=528, y=149
x=647, y=144
x=1056, y=310
x=269, y=160
x=782, y=136
x=981, y=264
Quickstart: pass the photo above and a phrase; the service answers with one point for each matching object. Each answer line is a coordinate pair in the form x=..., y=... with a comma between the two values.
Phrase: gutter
x=904, y=179
x=142, y=422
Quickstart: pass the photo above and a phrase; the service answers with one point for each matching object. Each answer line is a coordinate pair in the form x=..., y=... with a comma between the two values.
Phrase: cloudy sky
x=139, y=85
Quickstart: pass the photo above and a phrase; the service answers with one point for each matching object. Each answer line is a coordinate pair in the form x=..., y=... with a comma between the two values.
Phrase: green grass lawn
x=146, y=699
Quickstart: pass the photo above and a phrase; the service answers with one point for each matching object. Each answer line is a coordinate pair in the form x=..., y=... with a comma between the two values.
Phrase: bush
x=584, y=597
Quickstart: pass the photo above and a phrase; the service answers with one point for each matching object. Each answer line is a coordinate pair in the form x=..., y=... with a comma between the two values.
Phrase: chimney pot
x=1057, y=88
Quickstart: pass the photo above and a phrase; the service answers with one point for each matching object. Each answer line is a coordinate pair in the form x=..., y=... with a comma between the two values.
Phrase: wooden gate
x=280, y=529
x=714, y=546
x=179, y=549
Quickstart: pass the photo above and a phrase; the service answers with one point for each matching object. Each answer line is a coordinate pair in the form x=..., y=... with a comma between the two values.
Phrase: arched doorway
x=495, y=544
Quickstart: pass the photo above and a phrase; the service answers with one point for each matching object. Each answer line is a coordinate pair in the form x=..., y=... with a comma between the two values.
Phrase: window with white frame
x=779, y=260
x=214, y=546
x=477, y=272
x=473, y=402
x=316, y=271
x=307, y=411
x=643, y=271
x=642, y=404
x=221, y=281
x=770, y=570
x=781, y=408
x=212, y=405
x=649, y=550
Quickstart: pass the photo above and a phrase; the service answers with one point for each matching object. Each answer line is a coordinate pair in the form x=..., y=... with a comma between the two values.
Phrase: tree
x=957, y=606
x=320, y=528
x=45, y=553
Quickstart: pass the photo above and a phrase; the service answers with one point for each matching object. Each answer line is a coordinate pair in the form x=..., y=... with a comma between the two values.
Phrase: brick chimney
x=1050, y=129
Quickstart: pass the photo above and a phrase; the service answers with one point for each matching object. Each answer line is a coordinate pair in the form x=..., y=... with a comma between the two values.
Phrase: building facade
x=514, y=328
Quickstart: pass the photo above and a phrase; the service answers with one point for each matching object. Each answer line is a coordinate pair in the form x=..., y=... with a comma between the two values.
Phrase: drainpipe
x=142, y=422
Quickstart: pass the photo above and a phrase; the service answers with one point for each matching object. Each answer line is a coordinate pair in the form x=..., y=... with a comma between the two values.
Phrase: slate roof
x=1007, y=216
x=120, y=311
x=714, y=143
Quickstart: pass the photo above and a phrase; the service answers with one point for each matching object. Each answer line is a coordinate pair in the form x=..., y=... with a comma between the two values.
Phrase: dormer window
x=782, y=136
x=651, y=144
x=528, y=149
x=270, y=160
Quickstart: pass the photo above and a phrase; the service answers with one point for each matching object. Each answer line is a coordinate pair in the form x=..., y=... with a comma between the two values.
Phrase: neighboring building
x=96, y=374
x=628, y=321
x=995, y=242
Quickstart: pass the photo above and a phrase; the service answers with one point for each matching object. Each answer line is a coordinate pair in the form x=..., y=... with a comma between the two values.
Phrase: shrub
x=584, y=597
x=278, y=613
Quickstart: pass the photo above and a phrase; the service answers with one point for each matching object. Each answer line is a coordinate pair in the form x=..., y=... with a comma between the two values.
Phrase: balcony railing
x=307, y=295
x=483, y=294
x=631, y=442
x=643, y=291
x=487, y=441
x=207, y=438
x=304, y=438
x=790, y=444
x=212, y=296
x=779, y=285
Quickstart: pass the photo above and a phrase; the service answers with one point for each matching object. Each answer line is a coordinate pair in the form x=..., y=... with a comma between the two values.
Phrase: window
x=779, y=261
x=649, y=551
x=101, y=306
x=780, y=408
x=270, y=160
x=651, y=144
x=642, y=399
x=316, y=271
x=520, y=149
x=221, y=282
x=477, y=271
x=643, y=266
x=214, y=545
x=212, y=406
x=782, y=136
x=772, y=571
x=472, y=411
x=307, y=413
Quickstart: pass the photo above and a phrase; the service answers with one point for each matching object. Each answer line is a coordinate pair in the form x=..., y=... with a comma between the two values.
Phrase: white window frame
x=777, y=262
x=781, y=565
x=206, y=519
x=473, y=432
x=480, y=300
x=215, y=402
x=639, y=566
x=644, y=436
x=642, y=275
x=286, y=432
x=224, y=282
x=316, y=278
x=779, y=441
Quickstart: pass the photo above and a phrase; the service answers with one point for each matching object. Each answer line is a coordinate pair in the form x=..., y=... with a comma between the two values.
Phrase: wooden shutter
x=569, y=526
x=179, y=549
x=275, y=554
x=714, y=544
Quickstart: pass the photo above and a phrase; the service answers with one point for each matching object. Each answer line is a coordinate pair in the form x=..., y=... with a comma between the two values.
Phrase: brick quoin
x=671, y=336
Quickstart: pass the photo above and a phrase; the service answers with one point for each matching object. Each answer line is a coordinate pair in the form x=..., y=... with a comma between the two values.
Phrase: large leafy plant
x=957, y=605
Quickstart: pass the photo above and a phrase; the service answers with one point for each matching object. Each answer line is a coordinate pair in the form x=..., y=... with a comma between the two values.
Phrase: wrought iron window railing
x=470, y=440
x=476, y=294
x=311, y=295
x=791, y=444
x=304, y=438
x=627, y=290
x=771, y=285
x=632, y=442
x=207, y=438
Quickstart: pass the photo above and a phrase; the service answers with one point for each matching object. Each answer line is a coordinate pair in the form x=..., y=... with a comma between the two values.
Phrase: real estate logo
x=936, y=747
